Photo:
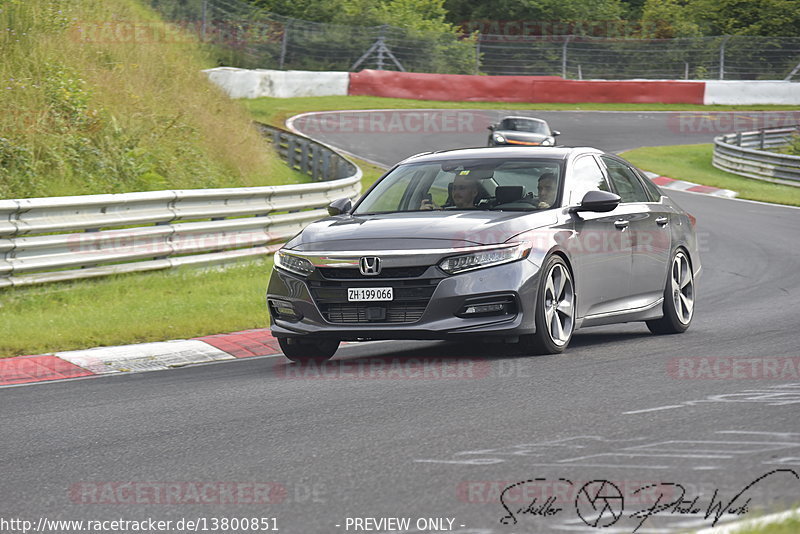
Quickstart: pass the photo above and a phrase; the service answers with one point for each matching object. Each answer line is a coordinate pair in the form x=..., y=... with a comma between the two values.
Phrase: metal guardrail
x=67, y=238
x=308, y=156
x=746, y=154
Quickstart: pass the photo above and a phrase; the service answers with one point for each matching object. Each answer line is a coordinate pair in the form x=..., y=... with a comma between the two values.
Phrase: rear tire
x=302, y=350
x=678, y=298
x=554, y=310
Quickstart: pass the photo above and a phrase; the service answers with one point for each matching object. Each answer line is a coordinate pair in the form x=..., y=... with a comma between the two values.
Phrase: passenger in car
x=547, y=190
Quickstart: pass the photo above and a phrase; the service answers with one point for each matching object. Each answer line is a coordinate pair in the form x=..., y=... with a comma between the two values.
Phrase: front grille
x=332, y=273
x=357, y=312
x=411, y=297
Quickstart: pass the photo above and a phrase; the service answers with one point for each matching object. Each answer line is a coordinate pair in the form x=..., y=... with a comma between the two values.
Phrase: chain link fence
x=246, y=37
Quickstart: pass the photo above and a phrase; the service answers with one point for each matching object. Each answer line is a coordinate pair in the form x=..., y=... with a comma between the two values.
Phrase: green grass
x=133, y=308
x=693, y=163
x=789, y=526
x=277, y=110
x=89, y=111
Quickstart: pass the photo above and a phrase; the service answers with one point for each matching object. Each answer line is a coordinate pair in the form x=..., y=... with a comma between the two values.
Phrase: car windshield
x=508, y=185
x=524, y=125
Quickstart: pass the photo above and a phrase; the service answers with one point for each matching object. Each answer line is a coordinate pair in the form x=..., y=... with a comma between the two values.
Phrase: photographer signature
x=600, y=503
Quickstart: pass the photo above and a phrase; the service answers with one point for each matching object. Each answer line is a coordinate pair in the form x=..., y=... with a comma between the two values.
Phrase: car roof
x=551, y=152
x=522, y=117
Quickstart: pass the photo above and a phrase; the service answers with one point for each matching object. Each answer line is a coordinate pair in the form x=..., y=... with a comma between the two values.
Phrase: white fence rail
x=747, y=154
x=66, y=238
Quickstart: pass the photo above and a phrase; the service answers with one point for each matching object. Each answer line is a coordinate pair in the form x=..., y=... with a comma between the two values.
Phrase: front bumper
x=439, y=320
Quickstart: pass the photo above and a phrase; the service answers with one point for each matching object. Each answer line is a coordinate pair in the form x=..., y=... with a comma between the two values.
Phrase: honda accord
x=500, y=244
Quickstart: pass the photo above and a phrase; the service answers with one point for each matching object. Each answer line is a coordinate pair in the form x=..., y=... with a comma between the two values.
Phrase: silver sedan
x=514, y=245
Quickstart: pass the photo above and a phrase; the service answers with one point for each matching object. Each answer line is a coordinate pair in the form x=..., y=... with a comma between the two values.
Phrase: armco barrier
x=308, y=156
x=67, y=238
x=743, y=154
x=465, y=88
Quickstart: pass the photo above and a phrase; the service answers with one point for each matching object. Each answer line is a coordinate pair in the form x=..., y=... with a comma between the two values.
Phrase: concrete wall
x=752, y=92
x=242, y=83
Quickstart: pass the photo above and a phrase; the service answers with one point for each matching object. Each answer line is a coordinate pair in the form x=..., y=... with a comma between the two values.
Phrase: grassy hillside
x=94, y=104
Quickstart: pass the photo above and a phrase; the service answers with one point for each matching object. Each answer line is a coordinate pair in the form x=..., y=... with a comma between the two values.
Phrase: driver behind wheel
x=464, y=193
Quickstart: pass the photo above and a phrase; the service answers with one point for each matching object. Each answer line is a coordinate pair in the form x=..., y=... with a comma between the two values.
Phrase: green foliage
x=745, y=17
x=793, y=148
x=667, y=19
x=89, y=111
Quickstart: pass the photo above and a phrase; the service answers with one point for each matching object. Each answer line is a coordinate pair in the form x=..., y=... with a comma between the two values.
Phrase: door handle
x=662, y=221
x=621, y=224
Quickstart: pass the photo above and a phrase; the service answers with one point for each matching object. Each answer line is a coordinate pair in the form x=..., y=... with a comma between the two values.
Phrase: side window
x=652, y=189
x=625, y=181
x=586, y=176
x=389, y=197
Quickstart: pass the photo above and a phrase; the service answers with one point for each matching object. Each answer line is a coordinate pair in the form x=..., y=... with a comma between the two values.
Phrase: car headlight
x=549, y=141
x=485, y=258
x=499, y=138
x=293, y=264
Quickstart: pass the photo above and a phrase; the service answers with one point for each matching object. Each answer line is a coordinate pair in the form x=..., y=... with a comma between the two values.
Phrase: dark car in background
x=506, y=244
x=522, y=131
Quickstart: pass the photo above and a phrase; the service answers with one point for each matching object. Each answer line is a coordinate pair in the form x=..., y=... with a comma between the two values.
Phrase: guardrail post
x=291, y=157
x=326, y=165
x=722, y=57
x=304, y=157
x=762, y=139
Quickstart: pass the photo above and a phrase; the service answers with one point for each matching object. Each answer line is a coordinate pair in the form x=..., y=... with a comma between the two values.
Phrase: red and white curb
x=682, y=185
x=136, y=358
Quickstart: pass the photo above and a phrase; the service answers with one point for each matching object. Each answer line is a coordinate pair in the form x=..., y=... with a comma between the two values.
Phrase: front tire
x=554, y=309
x=306, y=351
x=678, y=298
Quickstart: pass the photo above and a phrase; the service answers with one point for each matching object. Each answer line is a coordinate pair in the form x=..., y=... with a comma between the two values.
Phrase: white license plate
x=369, y=294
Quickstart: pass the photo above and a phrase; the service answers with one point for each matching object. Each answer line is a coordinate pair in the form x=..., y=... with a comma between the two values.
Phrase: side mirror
x=491, y=127
x=597, y=201
x=555, y=133
x=339, y=206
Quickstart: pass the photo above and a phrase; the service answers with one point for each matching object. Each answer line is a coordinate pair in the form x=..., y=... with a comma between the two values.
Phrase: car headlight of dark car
x=485, y=258
x=499, y=138
x=293, y=264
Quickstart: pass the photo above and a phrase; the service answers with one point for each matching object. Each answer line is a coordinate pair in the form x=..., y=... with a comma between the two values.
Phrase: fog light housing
x=284, y=310
x=489, y=306
x=484, y=308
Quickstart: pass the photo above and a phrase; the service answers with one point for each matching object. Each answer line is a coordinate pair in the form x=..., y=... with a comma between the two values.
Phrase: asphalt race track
x=386, y=137
x=314, y=448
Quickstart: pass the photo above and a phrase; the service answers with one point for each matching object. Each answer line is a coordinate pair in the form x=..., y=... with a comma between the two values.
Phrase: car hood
x=525, y=137
x=417, y=230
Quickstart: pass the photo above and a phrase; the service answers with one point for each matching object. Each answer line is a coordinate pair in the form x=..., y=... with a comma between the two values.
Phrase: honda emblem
x=369, y=265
